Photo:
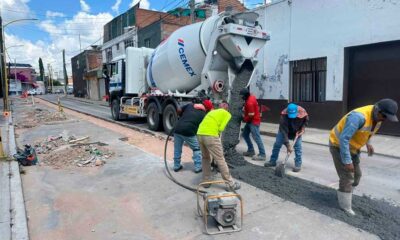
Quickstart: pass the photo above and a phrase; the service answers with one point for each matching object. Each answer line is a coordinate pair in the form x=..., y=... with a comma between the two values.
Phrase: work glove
x=289, y=148
x=370, y=149
x=349, y=167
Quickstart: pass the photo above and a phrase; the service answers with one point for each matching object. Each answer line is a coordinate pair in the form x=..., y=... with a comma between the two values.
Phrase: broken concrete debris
x=63, y=150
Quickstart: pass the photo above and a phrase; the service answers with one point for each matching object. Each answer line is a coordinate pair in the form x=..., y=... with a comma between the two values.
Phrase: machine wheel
x=153, y=117
x=115, y=108
x=170, y=117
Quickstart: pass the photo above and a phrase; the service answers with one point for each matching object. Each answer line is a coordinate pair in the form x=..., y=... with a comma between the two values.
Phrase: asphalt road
x=380, y=173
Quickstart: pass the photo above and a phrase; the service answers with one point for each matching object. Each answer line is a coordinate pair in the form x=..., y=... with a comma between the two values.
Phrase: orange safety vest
x=361, y=137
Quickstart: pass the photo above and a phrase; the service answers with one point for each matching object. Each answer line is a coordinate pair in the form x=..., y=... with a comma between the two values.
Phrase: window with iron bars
x=309, y=80
x=129, y=43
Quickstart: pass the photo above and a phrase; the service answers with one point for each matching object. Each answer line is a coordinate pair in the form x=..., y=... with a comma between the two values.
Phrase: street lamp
x=15, y=66
x=4, y=82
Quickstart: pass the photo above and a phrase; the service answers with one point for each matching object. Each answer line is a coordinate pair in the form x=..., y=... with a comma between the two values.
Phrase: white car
x=32, y=91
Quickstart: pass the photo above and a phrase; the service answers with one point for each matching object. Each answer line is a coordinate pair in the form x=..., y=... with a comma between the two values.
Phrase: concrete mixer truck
x=200, y=60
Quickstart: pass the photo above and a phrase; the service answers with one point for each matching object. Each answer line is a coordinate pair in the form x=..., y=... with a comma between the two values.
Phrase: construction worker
x=252, y=119
x=292, y=125
x=185, y=131
x=347, y=138
x=209, y=133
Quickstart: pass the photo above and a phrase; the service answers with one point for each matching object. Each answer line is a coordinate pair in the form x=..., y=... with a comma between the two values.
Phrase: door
x=374, y=73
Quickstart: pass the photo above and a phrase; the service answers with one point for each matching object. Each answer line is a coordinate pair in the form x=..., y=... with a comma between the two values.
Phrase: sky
x=65, y=24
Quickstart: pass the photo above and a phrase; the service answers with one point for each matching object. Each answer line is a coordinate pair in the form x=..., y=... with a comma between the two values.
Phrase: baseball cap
x=208, y=105
x=388, y=107
x=292, y=110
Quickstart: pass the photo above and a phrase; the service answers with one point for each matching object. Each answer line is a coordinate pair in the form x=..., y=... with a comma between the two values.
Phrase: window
x=108, y=54
x=309, y=80
x=114, y=69
x=147, y=42
x=117, y=46
x=129, y=43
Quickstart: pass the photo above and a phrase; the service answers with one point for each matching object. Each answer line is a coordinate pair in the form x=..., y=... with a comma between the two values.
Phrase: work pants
x=347, y=179
x=211, y=148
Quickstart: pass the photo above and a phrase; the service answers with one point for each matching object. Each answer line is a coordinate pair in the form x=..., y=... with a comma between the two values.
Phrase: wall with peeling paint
x=302, y=29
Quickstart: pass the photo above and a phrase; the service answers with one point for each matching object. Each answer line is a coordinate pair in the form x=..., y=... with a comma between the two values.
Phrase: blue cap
x=292, y=110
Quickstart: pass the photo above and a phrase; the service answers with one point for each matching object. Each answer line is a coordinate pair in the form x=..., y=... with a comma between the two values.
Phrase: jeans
x=193, y=144
x=255, y=133
x=277, y=147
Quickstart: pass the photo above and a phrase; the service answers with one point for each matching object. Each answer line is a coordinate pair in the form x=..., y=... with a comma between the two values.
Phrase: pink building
x=21, y=77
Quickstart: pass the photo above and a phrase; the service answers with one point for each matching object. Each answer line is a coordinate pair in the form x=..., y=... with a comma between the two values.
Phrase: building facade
x=21, y=77
x=87, y=77
x=133, y=28
x=328, y=56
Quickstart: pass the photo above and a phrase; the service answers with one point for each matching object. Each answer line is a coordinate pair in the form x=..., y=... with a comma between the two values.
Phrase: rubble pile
x=63, y=150
x=34, y=117
x=44, y=115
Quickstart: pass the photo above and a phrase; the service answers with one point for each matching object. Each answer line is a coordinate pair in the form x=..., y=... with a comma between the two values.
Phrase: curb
x=85, y=101
x=18, y=222
x=136, y=128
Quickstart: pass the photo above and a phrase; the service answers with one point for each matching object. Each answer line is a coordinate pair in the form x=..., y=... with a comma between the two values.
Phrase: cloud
x=51, y=14
x=115, y=7
x=83, y=29
x=145, y=4
x=15, y=9
x=84, y=6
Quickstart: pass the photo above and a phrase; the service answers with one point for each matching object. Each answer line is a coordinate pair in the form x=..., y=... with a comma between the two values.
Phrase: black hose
x=168, y=173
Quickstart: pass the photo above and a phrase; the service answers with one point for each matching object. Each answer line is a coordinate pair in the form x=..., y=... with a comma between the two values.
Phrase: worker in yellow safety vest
x=209, y=133
x=347, y=138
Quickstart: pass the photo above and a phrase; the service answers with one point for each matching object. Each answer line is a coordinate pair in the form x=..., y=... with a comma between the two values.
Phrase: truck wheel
x=153, y=117
x=115, y=108
x=170, y=117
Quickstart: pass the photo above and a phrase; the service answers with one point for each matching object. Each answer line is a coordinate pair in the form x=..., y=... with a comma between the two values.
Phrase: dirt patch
x=36, y=116
x=65, y=151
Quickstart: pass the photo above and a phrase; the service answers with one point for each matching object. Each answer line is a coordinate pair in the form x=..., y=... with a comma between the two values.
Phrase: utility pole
x=50, y=77
x=3, y=85
x=65, y=73
x=191, y=5
x=80, y=46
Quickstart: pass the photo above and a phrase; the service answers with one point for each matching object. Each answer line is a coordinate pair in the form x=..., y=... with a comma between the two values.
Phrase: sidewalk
x=13, y=221
x=383, y=145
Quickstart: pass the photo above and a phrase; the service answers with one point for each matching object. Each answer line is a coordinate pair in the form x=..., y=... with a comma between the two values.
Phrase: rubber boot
x=344, y=200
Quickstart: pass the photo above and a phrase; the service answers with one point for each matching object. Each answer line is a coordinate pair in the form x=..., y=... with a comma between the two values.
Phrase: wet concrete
x=375, y=216
x=230, y=137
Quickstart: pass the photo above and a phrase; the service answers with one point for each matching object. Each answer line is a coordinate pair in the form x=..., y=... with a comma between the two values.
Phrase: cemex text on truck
x=197, y=61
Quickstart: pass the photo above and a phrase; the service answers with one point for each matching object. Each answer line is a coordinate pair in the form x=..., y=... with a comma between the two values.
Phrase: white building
x=330, y=56
x=116, y=47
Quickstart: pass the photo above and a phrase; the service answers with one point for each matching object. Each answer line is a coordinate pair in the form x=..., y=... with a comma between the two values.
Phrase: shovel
x=280, y=169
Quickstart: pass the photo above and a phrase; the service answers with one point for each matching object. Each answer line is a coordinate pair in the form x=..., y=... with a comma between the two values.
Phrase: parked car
x=59, y=91
x=70, y=90
x=32, y=91
x=39, y=91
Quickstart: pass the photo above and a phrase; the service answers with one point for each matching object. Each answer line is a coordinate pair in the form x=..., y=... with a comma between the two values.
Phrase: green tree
x=41, y=69
x=57, y=83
